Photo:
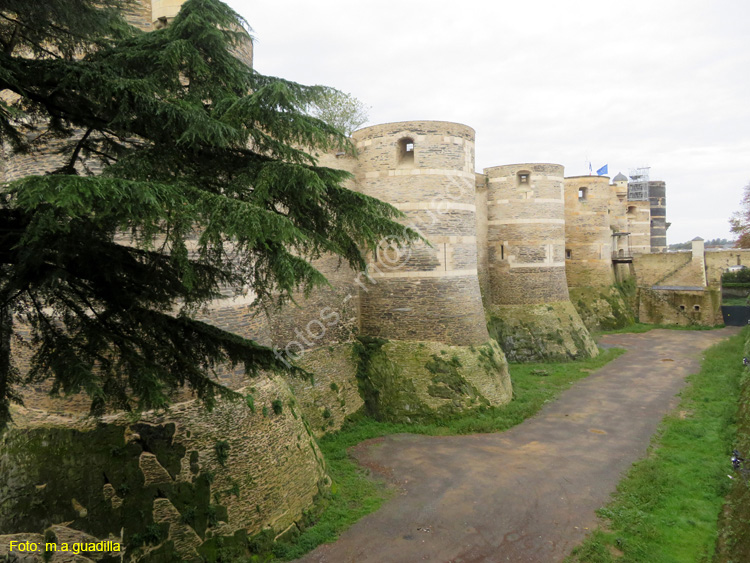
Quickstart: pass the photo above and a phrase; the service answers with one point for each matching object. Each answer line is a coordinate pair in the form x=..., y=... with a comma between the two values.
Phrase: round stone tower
x=526, y=234
x=530, y=310
x=422, y=303
x=425, y=169
x=588, y=236
x=658, y=198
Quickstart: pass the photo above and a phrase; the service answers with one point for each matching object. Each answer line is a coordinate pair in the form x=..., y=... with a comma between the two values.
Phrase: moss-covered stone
x=602, y=308
x=166, y=484
x=543, y=332
x=405, y=381
x=332, y=394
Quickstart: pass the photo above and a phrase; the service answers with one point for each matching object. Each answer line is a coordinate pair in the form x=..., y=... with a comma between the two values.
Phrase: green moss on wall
x=536, y=333
x=605, y=308
x=333, y=394
x=42, y=468
x=403, y=381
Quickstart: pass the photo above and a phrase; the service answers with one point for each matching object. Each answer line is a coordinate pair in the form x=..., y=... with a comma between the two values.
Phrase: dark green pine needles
x=178, y=170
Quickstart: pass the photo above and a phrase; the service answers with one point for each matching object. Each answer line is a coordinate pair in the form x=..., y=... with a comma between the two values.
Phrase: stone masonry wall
x=717, y=261
x=639, y=226
x=426, y=292
x=139, y=15
x=651, y=269
x=482, y=247
x=683, y=308
x=526, y=234
x=167, y=483
x=588, y=236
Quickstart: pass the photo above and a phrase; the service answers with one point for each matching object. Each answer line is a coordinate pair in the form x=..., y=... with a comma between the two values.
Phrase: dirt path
x=528, y=494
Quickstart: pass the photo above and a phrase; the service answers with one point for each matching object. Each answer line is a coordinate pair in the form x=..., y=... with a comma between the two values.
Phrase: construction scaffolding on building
x=638, y=184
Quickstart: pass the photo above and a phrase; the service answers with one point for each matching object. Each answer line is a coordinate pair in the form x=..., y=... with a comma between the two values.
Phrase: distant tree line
x=689, y=244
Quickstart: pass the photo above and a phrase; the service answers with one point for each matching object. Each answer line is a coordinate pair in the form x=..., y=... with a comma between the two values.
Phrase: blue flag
x=603, y=170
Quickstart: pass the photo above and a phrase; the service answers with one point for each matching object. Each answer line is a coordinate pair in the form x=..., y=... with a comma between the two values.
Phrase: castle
x=520, y=263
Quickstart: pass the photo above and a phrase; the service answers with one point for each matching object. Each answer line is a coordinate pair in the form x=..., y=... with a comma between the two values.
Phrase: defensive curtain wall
x=414, y=337
x=684, y=288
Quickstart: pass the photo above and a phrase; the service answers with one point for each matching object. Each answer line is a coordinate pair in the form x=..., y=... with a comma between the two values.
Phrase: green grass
x=354, y=495
x=734, y=526
x=666, y=509
x=734, y=301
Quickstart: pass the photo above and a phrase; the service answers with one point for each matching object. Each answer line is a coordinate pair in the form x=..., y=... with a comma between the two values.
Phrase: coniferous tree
x=180, y=171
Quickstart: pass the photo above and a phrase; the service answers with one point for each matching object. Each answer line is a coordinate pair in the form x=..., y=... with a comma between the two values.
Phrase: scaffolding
x=638, y=184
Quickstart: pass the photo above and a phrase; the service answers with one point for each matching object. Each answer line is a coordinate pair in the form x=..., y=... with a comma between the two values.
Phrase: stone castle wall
x=426, y=292
x=526, y=234
x=139, y=15
x=680, y=307
x=639, y=226
x=588, y=236
x=183, y=476
x=482, y=243
x=652, y=269
x=717, y=262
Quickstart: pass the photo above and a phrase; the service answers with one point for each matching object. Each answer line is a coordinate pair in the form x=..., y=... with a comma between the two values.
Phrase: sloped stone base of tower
x=602, y=308
x=333, y=394
x=167, y=487
x=541, y=333
x=410, y=381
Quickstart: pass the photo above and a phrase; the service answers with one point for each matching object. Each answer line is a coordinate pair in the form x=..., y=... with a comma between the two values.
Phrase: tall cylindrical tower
x=526, y=234
x=530, y=310
x=431, y=352
x=658, y=197
x=588, y=236
x=426, y=170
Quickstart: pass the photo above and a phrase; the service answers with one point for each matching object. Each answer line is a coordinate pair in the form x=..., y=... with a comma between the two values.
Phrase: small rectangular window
x=502, y=252
x=568, y=254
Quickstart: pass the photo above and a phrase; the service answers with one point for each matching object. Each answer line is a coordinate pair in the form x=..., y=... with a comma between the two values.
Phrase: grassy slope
x=666, y=508
x=354, y=495
x=734, y=528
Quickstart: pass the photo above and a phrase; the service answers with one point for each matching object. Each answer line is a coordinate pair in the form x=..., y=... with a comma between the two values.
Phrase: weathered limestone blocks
x=333, y=393
x=528, y=291
x=588, y=232
x=167, y=484
x=658, y=201
x=595, y=223
x=426, y=297
x=425, y=292
x=683, y=307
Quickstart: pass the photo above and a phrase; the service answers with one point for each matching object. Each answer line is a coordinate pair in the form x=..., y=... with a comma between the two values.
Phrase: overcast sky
x=659, y=83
